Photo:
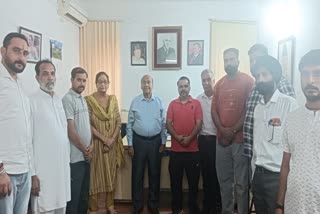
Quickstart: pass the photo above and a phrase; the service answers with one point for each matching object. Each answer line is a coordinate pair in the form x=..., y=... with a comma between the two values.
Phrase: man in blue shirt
x=146, y=134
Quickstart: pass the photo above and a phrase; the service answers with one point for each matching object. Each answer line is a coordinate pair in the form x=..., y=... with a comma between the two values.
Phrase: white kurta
x=301, y=139
x=51, y=151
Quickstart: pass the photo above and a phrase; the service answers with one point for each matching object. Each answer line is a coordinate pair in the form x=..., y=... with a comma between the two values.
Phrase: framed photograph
x=286, y=51
x=195, y=52
x=166, y=49
x=35, y=43
x=56, y=49
x=138, y=53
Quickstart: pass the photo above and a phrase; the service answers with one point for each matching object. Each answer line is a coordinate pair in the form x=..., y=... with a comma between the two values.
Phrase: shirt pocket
x=275, y=135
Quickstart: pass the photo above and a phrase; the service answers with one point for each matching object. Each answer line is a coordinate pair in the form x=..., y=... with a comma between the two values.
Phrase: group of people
x=240, y=133
x=48, y=143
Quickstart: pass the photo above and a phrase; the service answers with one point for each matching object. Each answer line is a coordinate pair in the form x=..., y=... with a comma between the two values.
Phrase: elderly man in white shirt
x=51, y=175
x=15, y=130
x=269, y=117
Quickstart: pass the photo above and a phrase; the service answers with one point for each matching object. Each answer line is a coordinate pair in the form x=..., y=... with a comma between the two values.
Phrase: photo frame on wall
x=56, y=49
x=35, y=44
x=195, y=52
x=286, y=52
x=166, y=48
x=138, y=53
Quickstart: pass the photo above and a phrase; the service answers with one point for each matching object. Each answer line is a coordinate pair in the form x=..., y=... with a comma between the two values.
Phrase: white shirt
x=51, y=150
x=208, y=126
x=15, y=130
x=301, y=138
x=267, y=147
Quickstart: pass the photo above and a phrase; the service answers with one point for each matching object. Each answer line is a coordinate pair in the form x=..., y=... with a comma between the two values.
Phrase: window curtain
x=228, y=34
x=100, y=51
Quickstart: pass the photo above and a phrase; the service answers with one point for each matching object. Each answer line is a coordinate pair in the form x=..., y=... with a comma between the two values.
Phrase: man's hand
x=5, y=185
x=35, y=188
x=88, y=156
x=161, y=148
x=185, y=141
x=227, y=133
x=131, y=151
x=179, y=138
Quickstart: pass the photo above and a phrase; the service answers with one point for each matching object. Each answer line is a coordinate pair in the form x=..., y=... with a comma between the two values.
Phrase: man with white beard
x=51, y=174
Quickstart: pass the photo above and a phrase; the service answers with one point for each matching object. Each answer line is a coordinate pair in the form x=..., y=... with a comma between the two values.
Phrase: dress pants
x=265, y=186
x=207, y=150
x=178, y=163
x=232, y=171
x=146, y=151
x=80, y=182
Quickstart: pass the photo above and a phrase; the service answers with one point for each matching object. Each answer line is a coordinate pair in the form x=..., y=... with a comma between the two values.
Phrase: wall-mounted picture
x=286, y=50
x=138, y=53
x=55, y=49
x=35, y=41
x=195, y=52
x=166, y=50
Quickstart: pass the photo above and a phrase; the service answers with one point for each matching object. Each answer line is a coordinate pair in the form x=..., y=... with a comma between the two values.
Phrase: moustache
x=19, y=62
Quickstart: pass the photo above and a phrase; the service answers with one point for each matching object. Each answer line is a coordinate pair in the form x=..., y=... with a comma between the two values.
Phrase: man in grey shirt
x=81, y=146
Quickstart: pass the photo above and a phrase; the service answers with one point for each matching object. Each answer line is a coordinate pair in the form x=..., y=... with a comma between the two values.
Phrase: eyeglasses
x=103, y=82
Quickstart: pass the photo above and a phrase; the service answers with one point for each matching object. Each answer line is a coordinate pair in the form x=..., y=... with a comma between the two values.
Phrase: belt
x=147, y=138
x=207, y=136
x=263, y=170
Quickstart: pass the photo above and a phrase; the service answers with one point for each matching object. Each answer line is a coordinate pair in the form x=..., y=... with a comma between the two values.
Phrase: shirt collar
x=179, y=101
x=205, y=96
x=274, y=97
x=73, y=93
x=5, y=73
x=143, y=98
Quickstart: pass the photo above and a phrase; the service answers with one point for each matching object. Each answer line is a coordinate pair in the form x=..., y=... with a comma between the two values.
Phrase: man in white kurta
x=50, y=146
x=299, y=190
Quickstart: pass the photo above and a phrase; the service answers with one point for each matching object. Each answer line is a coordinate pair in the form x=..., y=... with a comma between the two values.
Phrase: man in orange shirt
x=228, y=111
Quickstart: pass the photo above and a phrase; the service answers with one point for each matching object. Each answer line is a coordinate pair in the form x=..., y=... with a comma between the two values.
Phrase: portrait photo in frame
x=166, y=49
x=35, y=43
x=195, y=52
x=286, y=52
x=138, y=53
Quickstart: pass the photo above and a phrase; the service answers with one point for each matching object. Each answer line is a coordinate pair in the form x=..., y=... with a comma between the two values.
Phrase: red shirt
x=229, y=101
x=184, y=117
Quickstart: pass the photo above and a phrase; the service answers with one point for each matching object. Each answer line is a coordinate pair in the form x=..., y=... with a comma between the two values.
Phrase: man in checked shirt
x=284, y=86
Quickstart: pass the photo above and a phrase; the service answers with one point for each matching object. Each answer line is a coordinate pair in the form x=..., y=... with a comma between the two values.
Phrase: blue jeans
x=17, y=202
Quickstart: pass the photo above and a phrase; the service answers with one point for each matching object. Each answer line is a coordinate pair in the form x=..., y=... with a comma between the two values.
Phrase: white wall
x=307, y=36
x=138, y=18
x=41, y=16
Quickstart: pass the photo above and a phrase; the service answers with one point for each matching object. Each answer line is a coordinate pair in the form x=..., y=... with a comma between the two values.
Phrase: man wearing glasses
x=269, y=116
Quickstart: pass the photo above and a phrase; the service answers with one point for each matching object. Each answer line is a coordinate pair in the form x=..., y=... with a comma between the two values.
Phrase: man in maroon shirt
x=228, y=111
x=184, y=120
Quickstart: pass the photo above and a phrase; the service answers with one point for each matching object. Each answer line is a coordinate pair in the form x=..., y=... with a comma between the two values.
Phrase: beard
x=312, y=97
x=265, y=87
x=48, y=87
x=79, y=90
x=14, y=66
x=231, y=69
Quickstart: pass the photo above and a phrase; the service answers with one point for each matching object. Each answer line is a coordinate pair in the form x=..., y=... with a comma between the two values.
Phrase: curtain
x=228, y=34
x=100, y=51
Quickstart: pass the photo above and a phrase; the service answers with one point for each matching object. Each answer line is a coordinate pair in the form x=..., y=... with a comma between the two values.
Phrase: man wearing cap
x=269, y=117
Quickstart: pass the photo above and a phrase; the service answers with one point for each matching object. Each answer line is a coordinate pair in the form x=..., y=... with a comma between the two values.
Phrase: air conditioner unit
x=70, y=10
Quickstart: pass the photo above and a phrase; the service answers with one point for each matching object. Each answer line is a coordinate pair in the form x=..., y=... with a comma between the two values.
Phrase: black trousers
x=80, y=182
x=178, y=163
x=146, y=151
x=211, y=188
x=265, y=186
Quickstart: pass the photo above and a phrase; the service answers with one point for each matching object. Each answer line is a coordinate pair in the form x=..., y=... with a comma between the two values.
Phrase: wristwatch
x=279, y=206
